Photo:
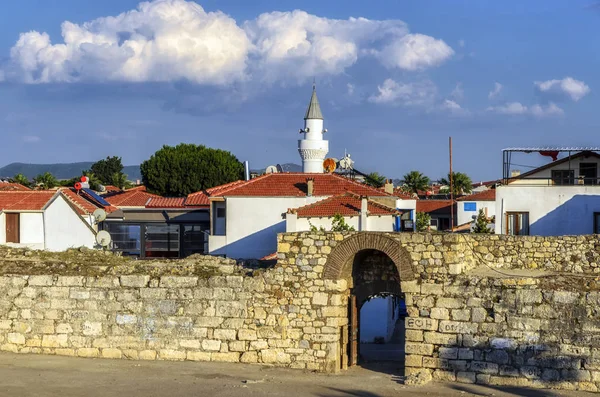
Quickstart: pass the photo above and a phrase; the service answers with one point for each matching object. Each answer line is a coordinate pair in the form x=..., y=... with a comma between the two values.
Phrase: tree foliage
x=188, y=168
x=338, y=224
x=105, y=169
x=375, y=179
x=414, y=181
x=481, y=223
x=461, y=183
x=423, y=221
x=22, y=179
x=46, y=180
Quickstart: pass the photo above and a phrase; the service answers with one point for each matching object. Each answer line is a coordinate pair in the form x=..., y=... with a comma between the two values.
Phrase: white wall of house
x=374, y=223
x=252, y=224
x=553, y=210
x=65, y=228
x=31, y=226
x=546, y=174
x=463, y=216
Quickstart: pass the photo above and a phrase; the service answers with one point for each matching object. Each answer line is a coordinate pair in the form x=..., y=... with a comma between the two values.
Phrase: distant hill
x=61, y=171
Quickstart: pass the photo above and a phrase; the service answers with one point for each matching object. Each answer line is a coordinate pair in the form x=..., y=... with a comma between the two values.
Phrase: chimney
x=364, y=203
x=515, y=173
x=246, y=171
x=310, y=184
x=389, y=186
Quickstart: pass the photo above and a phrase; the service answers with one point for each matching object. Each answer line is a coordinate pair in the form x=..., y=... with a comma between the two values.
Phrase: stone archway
x=342, y=255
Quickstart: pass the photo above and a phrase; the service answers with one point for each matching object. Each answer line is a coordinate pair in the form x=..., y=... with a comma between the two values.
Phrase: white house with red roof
x=246, y=216
x=45, y=220
x=468, y=207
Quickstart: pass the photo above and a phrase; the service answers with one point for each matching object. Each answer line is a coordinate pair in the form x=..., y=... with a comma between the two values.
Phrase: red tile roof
x=111, y=189
x=12, y=186
x=83, y=206
x=347, y=204
x=294, y=185
x=201, y=198
x=433, y=205
x=33, y=200
x=269, y=257
x=166, y=202
x=135, y=197
x=486, y=195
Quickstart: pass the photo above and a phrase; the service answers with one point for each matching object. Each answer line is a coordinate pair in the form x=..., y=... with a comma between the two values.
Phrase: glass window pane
x=125, y=237
x=162, y=237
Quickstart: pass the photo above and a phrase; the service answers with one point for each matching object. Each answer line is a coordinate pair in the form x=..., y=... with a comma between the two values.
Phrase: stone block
x=450, y=303
x=275, y=356
x=440, y=313
x=334, y=311
x=147, y=355
x=64, y=328
x=170, y=354
x=484, y=367
x=320, y=299
x=230, y=309
x=92, y=328
x=422, y=323
x=55, y=340
x=497, y=356
x=208, y=322
x=422, y=349
x=431, y=289
x=412, y=360
x=134, y=281
x=190, y=343
x=88, y=352
x=440, y=339
x=231, y=357
x=465, y=354
x=40, y=280
x=444, y=376
x=529, y=296
x=503, y=343
x=65, y=352
x=461, y=314
x=225, y=334
x=479, y=314
x=565, y=297
x=126, y=319
x=111, y=353
x=211, y=345
x=70, y=281
x=456, y=327
x=15, y=338
x=247, y=334
x=178, y=281
x=237, y=346
x=435, y=362
x=412, y=287
x=413, y=335
x=466, y=377
x=448, y=352
x=198, y=356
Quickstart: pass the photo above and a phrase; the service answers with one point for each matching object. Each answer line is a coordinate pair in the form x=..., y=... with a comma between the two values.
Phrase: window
x=162, y=240
x=517, y=223
x=470, y=207
x=589, y=173
x=563, y=177
x=194, y=241
x=596, y=222
x=125, y=237
x=221, y=212
x=433, y=222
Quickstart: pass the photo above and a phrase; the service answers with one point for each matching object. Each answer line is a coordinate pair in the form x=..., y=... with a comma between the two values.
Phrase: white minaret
x=313, y=148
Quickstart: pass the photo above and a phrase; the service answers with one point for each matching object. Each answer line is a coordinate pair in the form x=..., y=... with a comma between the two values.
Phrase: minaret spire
x=313, y=148
x=314, y=109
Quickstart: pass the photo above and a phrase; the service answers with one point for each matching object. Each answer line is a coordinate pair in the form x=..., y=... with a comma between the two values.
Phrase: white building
x=45, y=220
x=312, y=147
x=559, y=198
x=468, y=207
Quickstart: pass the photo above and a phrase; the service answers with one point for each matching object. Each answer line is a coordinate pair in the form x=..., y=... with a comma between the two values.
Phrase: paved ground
x=36, y=375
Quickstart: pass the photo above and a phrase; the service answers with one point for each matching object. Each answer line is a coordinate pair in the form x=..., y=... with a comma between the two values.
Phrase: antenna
x=271, y=169
x=103, y=238
x=99, y=215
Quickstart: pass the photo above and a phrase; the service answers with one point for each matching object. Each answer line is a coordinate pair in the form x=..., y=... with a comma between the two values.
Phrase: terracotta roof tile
x=83, y=206
x=294, y=185
x=433, y=205
x=346, y=204
x=111, y=189
x=12, y=186
x=166, y=202
x=25, y=200
x=135, y=197
x=201, y=198
x=486, y=195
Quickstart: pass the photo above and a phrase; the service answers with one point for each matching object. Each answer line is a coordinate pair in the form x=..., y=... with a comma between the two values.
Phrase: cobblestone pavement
x=37, y=375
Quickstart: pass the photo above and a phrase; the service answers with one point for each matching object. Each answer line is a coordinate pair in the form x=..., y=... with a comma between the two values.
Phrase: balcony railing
x=552, y=182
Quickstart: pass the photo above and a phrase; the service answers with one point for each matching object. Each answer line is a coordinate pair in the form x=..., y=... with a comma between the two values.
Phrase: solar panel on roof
x=93, y=195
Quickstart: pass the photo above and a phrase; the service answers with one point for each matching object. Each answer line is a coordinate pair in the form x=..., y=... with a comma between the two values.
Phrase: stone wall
x=486, y=309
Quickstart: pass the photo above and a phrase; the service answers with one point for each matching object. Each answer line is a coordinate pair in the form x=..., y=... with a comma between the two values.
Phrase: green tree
x=415, y=181
x=375, y=179
x=461, y=183
x=105, y=169
x=423, y=221
x=338, y=224
x=188, y=168
x=93, y=179
x=22, y=179
x=46, y=180
x=119, y=180
x=481, y=224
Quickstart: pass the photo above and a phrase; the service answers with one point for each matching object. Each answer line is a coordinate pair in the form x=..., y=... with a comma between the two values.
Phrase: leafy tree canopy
x=22, y=179
x=481, y=224
x=423, y=221
x=375, y=179
x=105, y=169
x=461, y=183
x=415, y=181
x=188, y=168
x=46, y=180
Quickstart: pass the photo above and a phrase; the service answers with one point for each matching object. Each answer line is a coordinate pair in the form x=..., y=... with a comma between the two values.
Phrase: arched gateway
x=373, y=264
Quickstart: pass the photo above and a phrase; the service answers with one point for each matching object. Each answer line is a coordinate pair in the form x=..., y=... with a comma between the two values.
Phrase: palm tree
x=414, y=182
x=119, y=180
x=22, y=179
x=375, y=180
x=461, y=183
x=46, y=180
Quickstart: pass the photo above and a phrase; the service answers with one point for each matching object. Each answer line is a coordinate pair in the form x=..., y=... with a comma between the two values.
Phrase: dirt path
x=36, y=375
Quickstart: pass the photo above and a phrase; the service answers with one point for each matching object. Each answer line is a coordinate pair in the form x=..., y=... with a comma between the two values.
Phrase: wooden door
x=12, y=228
x=353, y=331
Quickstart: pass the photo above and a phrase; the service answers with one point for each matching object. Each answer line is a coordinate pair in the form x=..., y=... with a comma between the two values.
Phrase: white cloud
x=567, y=87
x=517, y=108
x=170, y=40
x=407, y=94
x=350, y=88
x=496, y=91
x=31, y=139
x=458, y=93
x=414, y=52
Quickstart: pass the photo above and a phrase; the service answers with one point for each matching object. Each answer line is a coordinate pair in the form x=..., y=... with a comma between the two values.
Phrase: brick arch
x=341, y=256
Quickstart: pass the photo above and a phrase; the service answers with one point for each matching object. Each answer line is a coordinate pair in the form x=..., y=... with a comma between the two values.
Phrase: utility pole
x=451, y=190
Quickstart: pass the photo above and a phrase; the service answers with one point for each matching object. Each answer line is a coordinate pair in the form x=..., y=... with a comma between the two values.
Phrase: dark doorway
x=589, y=172
x=375, y=298
x=13, y=232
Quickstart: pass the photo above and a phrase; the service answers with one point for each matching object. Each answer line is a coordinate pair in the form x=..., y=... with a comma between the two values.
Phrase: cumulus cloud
x=414, y=52
x=565, y=88
x=458, y=93
x=406, y=94
x=350, y=88
x=170, y=40
x=496, y=91
x=454, y=108
x=517, y=108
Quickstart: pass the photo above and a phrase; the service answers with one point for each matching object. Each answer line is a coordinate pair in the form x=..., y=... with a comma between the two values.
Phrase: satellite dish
x=103, y=238
x=279, y=168
x=329, y=165
x=346, y=162
x=271, y=169
x=101, y=188
x=99, y=215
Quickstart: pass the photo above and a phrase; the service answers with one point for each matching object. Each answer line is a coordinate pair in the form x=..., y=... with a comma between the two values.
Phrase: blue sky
x=395, y=79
